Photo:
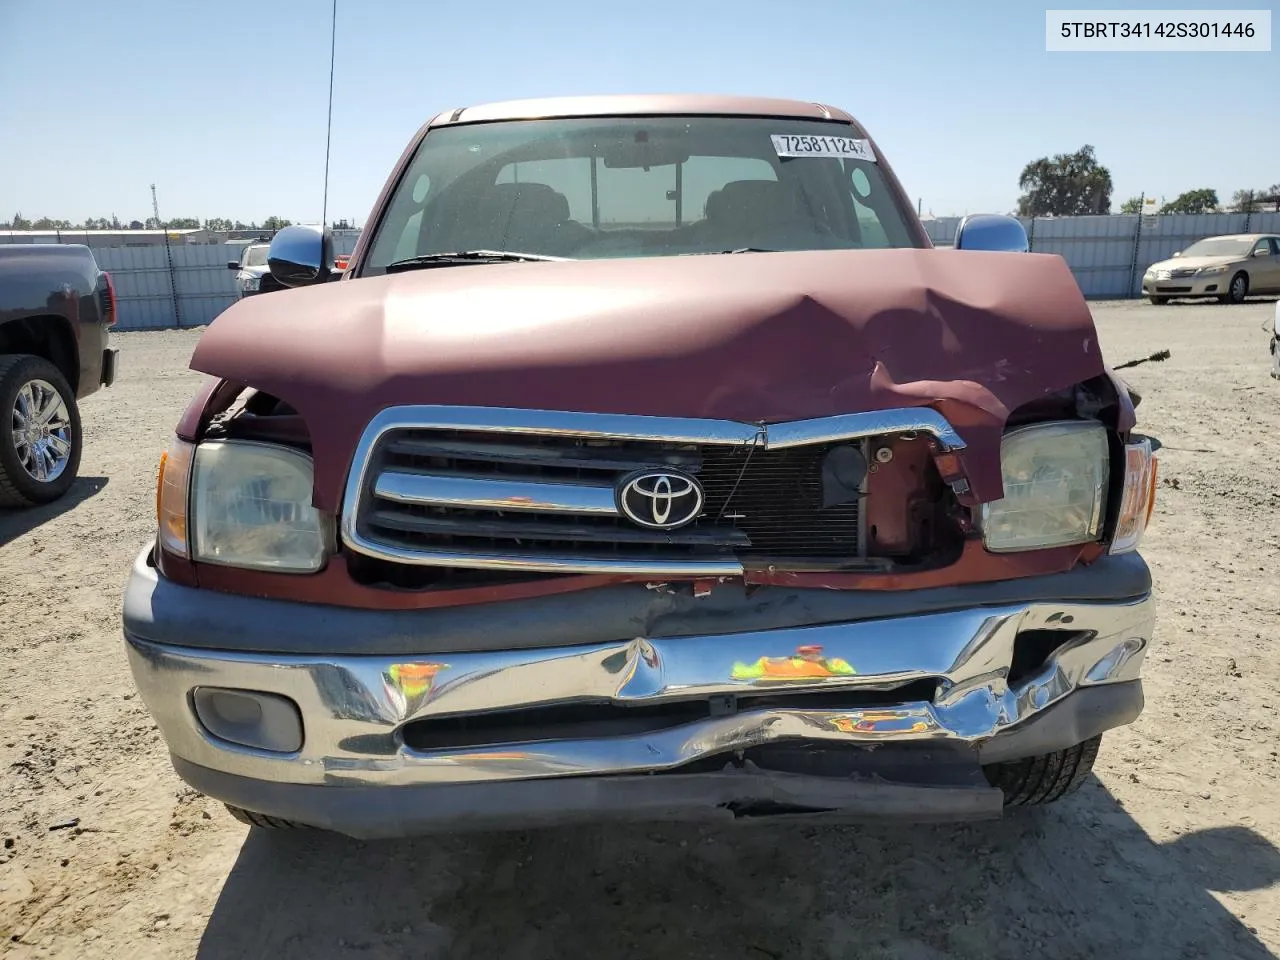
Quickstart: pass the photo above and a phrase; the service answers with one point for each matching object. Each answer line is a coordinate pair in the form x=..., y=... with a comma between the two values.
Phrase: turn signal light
x=1139, y=497
x=1151, y=503
x=172, y=495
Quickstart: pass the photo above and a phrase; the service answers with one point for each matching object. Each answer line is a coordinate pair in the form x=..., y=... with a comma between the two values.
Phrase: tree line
x=1075, y=184
x=215, y=224
x=1205, y=200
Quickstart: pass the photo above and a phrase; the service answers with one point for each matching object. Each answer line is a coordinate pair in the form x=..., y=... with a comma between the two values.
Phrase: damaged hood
x=756, y=337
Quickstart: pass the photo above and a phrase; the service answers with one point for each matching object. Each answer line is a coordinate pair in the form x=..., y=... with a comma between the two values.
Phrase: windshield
x=255, y=257
x=639, y=187
x=1219, y=247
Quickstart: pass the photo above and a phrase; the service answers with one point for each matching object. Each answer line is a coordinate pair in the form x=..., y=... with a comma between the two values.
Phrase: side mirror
x=299, y=256
x=233, y=264
x=991, y=231
x=1177, y=253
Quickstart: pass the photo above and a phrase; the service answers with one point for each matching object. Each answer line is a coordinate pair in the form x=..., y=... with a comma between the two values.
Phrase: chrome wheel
x=42, y=432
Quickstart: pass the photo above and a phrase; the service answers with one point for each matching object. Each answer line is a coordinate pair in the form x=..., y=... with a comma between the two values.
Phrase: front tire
x=1039, y=780
x=40, y=435
x=1158, y=301
x=1238, y=290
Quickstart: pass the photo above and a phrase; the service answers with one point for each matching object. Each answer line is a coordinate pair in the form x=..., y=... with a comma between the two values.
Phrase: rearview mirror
x=991, y=231
x=299, y=256
x=641, y=150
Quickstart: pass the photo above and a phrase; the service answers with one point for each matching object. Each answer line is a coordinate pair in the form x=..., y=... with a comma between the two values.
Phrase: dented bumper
x=757, y=716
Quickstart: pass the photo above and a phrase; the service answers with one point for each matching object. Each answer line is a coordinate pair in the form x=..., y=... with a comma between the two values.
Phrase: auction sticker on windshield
x=789, y=145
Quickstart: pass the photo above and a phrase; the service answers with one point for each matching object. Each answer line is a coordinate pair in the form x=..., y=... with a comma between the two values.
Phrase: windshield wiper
x=465, y=256
x=716, y=253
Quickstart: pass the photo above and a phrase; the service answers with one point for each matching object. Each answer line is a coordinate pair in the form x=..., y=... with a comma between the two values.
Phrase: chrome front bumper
x=355, y=709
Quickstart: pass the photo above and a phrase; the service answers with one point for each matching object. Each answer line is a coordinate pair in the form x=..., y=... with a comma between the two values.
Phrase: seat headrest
x=531, y=201
x=751, y=200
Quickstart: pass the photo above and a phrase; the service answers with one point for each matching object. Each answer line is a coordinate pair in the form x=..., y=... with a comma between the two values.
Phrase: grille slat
x=532, y=456
x=464, y=491
x=504, y=529
x=759, y=503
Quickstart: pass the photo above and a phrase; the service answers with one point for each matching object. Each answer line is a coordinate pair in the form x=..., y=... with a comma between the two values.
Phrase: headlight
x=252, y=283
x=250, y=506
x=1055, y=480
x=1210, y=271
x=1149, y=275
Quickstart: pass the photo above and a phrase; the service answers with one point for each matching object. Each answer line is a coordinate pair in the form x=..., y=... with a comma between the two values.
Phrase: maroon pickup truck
x=646, y=462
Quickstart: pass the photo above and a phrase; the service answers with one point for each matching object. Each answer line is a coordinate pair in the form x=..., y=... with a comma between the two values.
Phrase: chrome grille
x=1181, y=272
x=535, y=491
x=457, y=492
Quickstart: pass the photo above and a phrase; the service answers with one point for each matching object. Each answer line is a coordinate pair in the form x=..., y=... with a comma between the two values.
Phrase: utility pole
x=155, y=208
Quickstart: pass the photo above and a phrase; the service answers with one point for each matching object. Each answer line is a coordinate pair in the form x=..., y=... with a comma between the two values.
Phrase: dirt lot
x=1170, y=852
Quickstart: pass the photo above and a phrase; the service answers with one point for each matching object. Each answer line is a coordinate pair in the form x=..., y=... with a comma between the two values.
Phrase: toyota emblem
x=660, y=499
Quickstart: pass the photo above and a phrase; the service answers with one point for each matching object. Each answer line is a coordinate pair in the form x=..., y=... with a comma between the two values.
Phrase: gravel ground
x=1171, y=851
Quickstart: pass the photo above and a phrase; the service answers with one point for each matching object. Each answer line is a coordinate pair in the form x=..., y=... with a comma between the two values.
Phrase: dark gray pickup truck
x=56, y=311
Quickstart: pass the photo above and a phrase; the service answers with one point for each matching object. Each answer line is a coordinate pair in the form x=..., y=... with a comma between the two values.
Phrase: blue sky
x=223, y=104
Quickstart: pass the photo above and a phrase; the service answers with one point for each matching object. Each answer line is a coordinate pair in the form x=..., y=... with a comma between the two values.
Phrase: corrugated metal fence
x=152, y=293
x=1109, y=254
x=184, y=285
